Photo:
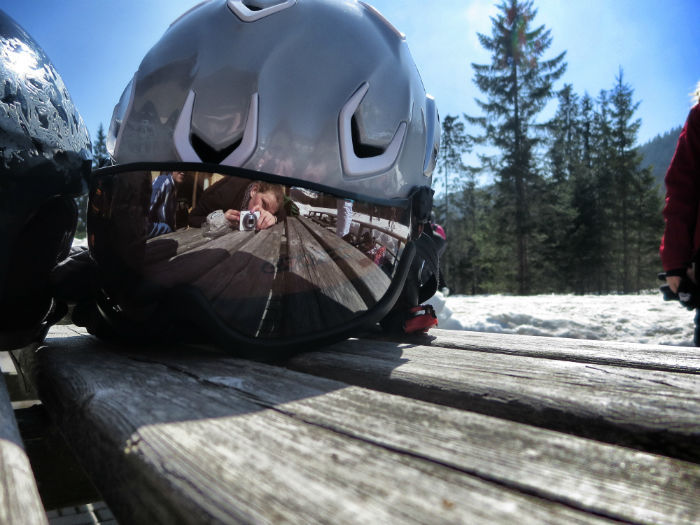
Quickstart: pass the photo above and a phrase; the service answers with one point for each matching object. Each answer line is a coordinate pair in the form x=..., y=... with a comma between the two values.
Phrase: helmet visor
x=268, y=259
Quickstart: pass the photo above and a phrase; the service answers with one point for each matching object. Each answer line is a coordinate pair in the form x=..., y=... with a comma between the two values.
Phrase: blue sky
x=98, y=44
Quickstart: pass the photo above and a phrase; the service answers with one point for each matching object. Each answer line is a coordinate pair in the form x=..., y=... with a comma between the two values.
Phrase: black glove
x=689, y=293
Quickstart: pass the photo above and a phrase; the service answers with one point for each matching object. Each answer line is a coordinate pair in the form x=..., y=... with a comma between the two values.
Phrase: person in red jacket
x=681, y=241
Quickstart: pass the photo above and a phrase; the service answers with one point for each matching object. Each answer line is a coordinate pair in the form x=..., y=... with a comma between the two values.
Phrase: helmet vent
x=362, y=151
x=253, y=6
x=364, y=160
x=192, y=148
x=432, y=135
x=208, y=154
x=252, y=10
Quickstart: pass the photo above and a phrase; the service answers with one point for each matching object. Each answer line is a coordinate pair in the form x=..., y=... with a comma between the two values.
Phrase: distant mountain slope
x=658, y=153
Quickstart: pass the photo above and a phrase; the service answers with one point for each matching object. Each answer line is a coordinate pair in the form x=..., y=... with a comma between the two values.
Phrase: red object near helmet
x=440, y=231
x=421, y=319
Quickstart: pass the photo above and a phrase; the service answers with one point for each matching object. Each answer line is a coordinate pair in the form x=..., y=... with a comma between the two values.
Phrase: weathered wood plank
x=302, y=311
x=195, y=258
x=651, y=410
x=172, y=244
x=243, y=248
x=604, y=479
x=243, y=301
x=17, y=387
x=230, y=271
x=317, y=292
x=59, y=477
x=19, y=496
x=370, y=281
x=653, y=357
x=195, y=439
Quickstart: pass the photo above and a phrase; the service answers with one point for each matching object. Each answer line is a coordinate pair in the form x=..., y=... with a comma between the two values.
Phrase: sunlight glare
x=19, y=58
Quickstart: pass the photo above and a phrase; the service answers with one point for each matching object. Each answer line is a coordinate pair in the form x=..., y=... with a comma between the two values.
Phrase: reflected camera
x=248, y=220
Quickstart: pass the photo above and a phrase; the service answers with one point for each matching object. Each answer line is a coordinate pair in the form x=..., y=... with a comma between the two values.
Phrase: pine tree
x=559, y=252
x=602, y=161
x=626, y=165
x=517, y=83
x=585, y=247
x=100, y=155
x=646, y=215
x=453, y=144
x=638, y=205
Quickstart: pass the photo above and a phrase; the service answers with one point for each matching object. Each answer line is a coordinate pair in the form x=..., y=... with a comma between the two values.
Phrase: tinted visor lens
x=267, y=260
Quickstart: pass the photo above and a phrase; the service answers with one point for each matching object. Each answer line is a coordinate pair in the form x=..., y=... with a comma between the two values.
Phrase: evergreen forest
x=558, y=205
x=658, y=152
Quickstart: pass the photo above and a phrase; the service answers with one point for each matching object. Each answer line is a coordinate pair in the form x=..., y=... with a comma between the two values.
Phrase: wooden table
x=294, y=278
x=452, y=427
x=19, y=497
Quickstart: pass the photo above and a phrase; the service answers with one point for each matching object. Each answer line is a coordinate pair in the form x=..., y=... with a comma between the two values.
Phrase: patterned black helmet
x=44, y=162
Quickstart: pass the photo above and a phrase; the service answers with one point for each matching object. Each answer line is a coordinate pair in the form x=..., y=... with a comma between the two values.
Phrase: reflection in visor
x=302, y=262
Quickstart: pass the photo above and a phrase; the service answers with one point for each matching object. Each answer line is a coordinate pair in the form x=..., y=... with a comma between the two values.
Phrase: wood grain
x=192, y=260
x=370, y=281
x=656, y=411
x=197, y=439
x=20, y=503
x=634, y=355
x=604, y=479
x=317, y=294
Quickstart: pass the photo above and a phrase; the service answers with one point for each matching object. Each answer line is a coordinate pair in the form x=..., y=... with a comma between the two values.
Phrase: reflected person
x=163, y=204
x=233, y=195
x=344, y=217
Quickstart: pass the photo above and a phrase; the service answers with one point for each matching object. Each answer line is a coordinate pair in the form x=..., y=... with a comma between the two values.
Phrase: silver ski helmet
x=317, y=90
x=44, y=163
x=318, y=97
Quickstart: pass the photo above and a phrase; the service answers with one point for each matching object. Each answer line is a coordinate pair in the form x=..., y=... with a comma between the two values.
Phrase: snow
x=642, y=318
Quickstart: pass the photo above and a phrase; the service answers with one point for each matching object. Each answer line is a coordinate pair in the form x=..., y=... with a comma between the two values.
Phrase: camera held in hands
x=248, y=221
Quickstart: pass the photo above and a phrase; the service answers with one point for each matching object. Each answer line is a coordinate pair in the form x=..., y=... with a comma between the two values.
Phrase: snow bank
x=642, y=318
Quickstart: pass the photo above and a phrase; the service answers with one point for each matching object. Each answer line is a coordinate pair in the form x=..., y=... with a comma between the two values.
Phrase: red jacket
x=681, y=239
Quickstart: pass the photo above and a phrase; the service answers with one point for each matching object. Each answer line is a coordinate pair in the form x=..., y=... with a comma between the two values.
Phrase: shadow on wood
x=130, y=416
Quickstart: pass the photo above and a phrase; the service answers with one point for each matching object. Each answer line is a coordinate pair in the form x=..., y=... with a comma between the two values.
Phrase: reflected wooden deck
x=295, y=277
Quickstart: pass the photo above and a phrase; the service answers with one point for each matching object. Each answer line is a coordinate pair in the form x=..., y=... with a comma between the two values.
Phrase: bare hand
x=673, y=282
x=266, y=219
x=232, y=216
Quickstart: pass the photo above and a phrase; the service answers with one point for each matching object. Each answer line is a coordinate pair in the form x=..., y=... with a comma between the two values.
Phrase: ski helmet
x=318, y=97
x=44, y=163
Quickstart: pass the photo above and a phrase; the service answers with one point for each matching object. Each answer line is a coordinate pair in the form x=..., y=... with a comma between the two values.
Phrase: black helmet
x=44, y=162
